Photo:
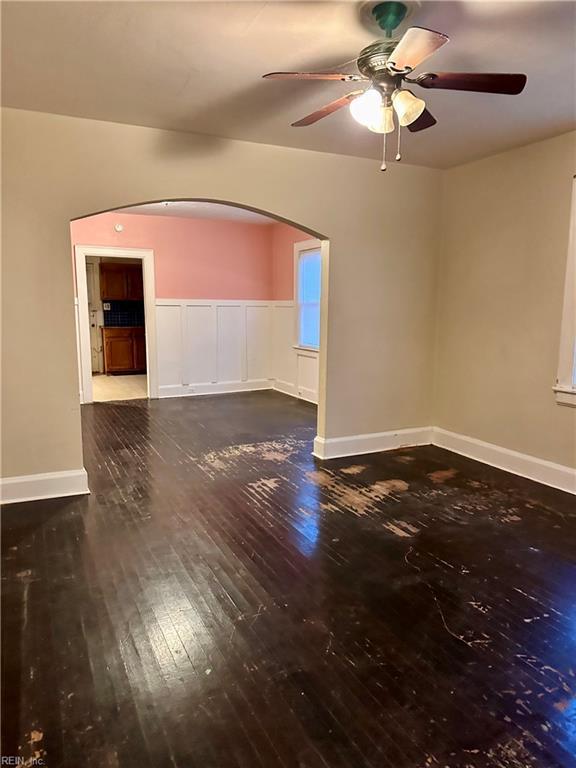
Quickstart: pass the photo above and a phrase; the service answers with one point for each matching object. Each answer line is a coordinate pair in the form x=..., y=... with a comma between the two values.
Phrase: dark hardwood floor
x=223, y=600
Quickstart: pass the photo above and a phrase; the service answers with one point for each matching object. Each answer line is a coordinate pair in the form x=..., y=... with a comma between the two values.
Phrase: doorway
x=115, y=323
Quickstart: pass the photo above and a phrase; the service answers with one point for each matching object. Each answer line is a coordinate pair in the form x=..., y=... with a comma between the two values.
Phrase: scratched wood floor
x=223, y=600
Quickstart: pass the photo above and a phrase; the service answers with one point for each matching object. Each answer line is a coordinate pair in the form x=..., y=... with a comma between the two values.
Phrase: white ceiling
x=197, y=66
x=192, y=209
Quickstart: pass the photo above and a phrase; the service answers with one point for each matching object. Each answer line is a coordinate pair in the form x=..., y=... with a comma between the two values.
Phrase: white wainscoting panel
x=169, y=345
x=284, y=357
x=259, y=347
x=212, y=346
x=199, y=344
x=231, y=345
x=215, y=346
x=307, y=375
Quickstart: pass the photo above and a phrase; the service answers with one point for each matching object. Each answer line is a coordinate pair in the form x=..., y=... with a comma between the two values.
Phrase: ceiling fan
x=387, y=65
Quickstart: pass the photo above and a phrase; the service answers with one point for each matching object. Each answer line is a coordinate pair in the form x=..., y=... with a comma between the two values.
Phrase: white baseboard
x=48, y=485
x=286, y=387
x=75, y=482
x=547, y=472
x=540, y=470
x=222, y=388
x=308, y=395
x=290, y=389
x=355, y=445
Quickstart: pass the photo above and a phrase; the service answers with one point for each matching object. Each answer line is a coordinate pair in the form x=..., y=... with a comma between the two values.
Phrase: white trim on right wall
x=540, y=470
x=375, y=442
x=531, y=467
x=565, y=387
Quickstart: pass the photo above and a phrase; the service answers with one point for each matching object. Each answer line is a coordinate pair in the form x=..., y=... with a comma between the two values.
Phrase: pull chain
x=383, y=166
x=398, y=154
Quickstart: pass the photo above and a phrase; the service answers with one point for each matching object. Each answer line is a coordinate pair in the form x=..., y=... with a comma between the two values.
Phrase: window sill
x=300, y=348
x=565, y=396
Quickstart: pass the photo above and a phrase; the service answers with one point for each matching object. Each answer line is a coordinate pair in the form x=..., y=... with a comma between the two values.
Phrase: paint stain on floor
x=442, y=475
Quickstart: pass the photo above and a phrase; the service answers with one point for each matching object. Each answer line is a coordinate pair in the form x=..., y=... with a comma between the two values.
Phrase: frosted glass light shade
x=408, y=107
x=366, y=109
x=385, y=122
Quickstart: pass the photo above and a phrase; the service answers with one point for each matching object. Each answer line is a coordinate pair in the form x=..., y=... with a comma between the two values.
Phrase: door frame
x=146, y=256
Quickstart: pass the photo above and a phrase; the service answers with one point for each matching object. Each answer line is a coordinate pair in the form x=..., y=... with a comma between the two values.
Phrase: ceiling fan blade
x=345, y=78
x=426, y=120
x=416, y=45
x=326, y=110
x=481, y=82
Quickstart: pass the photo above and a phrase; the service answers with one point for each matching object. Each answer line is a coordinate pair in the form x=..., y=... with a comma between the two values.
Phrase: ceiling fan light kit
x=407, y=106
x=386, y=65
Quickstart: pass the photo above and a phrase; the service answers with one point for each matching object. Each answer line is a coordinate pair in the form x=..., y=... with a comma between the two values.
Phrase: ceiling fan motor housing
x=372, y=63
x=374, y=57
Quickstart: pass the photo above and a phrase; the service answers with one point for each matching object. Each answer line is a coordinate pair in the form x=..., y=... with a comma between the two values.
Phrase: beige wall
x=500, y=290
x=382, y=230
x=502, y=246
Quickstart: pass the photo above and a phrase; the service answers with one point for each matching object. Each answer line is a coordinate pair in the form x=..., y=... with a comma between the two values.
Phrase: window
x=308, y=277
x=566, y=381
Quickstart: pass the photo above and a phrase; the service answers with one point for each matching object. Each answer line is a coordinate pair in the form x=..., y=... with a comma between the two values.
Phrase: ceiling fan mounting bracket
x=389, y=15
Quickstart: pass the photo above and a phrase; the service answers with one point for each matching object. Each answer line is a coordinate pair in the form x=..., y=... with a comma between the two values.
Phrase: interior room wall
x=500, y=291
x=196, y=258
x=377, y=323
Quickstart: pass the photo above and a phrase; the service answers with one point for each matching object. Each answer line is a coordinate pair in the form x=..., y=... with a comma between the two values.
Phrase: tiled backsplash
x=123, y=313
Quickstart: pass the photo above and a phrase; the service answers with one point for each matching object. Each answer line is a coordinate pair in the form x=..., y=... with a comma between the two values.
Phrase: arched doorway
x=249, y=340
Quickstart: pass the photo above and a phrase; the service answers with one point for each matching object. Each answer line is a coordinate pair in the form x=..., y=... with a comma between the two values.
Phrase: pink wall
x=283, y=239
x=203, y=258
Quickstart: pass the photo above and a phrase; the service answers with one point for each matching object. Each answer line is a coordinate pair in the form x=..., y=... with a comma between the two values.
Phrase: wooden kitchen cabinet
x=124, y=350
x=112, y=282
x=139, y=340
x=134, y=283
x=121, y=282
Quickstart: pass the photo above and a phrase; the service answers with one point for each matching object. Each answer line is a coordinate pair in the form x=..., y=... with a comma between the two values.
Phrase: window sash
x=309, y=337
x=308, y=310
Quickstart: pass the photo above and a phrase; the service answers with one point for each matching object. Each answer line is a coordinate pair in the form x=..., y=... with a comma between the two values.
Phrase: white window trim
x=299, y=248
x=565, y=388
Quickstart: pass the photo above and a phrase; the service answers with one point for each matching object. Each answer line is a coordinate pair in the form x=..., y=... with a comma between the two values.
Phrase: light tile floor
x=118, y=387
